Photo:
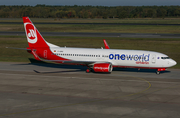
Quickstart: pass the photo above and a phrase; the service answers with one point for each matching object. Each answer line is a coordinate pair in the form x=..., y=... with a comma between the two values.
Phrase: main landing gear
x=88, y=70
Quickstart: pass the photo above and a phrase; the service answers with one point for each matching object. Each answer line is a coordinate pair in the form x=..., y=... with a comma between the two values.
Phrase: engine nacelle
x=102, y=67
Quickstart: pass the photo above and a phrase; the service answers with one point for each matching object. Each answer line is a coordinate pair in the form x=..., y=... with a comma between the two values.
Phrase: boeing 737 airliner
x=98, y=60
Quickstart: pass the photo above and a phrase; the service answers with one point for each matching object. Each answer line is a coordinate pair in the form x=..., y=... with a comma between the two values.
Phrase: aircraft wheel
x=158, y=72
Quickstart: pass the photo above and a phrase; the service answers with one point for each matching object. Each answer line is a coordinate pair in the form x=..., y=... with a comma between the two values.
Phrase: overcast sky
x=93, y=2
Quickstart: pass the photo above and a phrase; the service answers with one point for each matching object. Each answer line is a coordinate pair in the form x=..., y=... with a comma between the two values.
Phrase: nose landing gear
x=159, y=70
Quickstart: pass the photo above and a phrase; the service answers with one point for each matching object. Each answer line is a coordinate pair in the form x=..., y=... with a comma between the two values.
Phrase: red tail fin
x=34, y=38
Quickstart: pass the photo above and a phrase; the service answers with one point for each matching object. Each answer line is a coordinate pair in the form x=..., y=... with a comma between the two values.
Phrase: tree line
x=45, y=11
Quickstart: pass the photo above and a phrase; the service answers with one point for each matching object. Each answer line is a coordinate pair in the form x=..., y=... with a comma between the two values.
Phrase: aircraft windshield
x=165, y=58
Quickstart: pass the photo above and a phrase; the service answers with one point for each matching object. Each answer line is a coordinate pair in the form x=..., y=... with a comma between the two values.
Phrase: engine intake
x=102, y=67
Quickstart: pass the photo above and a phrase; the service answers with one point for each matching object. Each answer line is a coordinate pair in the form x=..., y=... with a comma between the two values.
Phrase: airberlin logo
x=31, y=33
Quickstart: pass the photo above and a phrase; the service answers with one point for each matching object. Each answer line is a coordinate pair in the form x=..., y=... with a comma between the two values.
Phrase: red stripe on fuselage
x=49, y=54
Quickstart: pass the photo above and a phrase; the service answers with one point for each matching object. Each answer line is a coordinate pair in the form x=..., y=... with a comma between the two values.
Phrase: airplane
x=97, y=60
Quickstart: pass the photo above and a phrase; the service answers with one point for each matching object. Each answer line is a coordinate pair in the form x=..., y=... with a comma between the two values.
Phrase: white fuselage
x=117, y=57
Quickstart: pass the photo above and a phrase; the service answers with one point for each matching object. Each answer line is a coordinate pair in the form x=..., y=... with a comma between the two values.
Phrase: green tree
x=123, y=14
x=177, y=12
x=161, y=12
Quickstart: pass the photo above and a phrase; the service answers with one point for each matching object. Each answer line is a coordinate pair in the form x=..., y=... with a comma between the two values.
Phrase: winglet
x=106, y=45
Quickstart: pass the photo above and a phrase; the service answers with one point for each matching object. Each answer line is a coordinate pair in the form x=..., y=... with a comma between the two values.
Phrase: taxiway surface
x=53, y=90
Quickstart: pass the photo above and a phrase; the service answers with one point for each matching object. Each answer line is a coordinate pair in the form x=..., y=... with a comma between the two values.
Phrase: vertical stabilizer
x=34, y=38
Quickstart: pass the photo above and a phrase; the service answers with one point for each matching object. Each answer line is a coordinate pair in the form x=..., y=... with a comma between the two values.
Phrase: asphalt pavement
x=55, y=90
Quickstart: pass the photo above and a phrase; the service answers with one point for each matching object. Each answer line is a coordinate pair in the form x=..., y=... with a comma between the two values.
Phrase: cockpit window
x=165, y=58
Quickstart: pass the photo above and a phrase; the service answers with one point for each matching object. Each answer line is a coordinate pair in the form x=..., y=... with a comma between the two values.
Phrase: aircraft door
x=153, y=59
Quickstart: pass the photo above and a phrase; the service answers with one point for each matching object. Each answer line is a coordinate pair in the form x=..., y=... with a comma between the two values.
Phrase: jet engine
x=103, y=67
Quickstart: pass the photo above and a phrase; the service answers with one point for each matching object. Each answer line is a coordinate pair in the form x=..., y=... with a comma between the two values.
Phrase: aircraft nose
x=172, y=62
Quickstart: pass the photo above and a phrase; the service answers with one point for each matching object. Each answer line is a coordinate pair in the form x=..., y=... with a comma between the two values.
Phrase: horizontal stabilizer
x=18, y=48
